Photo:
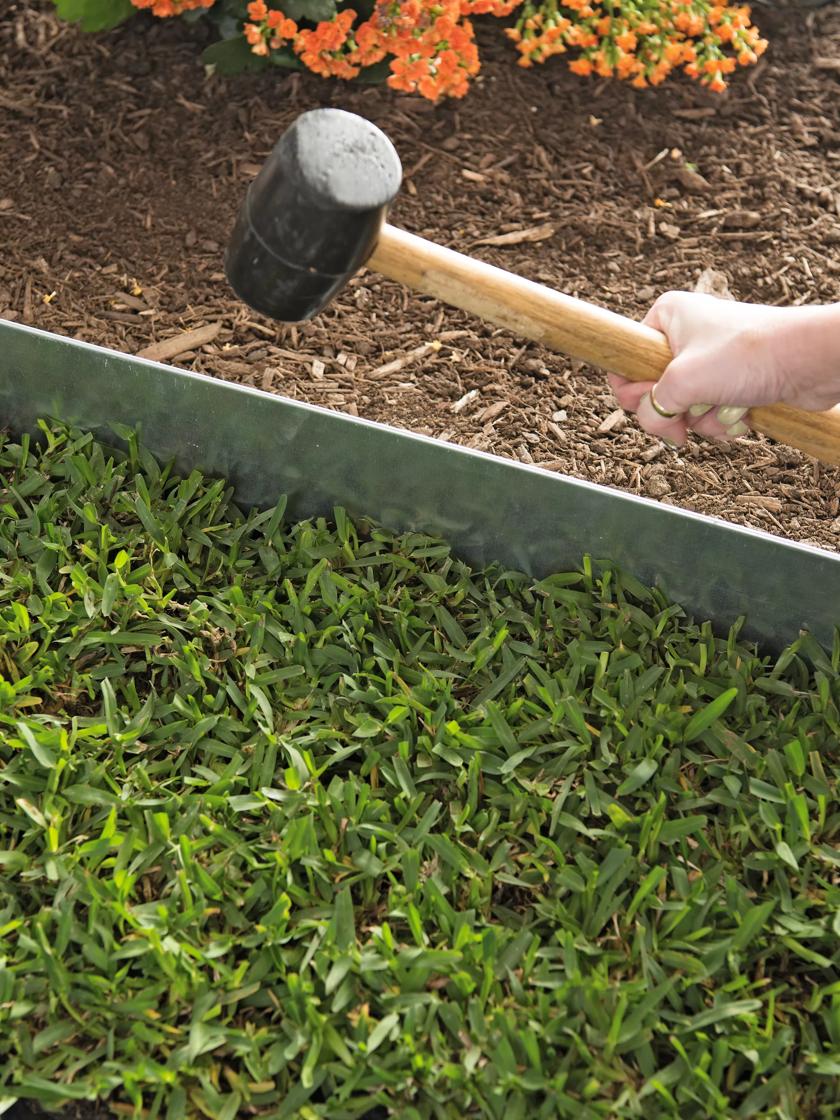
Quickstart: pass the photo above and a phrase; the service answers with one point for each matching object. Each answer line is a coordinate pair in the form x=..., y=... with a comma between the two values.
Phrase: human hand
x=731, y=356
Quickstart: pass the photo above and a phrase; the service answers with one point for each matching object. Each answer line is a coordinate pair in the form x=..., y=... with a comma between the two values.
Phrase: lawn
x=311, y=820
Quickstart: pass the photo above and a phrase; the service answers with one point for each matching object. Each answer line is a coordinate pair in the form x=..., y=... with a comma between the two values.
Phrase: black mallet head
x=312, y=216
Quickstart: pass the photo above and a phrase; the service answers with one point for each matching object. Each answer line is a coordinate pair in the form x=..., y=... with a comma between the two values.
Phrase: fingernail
x=669, y=443
x=730, y=414
x=700, y=409
x=739, y=429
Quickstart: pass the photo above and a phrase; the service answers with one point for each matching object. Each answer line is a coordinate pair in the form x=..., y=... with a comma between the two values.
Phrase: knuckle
x=678, y=385
x=670, y=300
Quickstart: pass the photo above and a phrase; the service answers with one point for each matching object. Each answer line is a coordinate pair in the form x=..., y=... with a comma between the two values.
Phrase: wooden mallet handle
x=573, y=326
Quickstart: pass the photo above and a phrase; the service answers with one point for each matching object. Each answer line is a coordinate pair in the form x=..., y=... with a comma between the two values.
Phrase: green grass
x=309, y=820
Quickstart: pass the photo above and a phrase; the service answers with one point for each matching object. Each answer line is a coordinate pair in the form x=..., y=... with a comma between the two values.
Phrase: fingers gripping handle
x=572, y=326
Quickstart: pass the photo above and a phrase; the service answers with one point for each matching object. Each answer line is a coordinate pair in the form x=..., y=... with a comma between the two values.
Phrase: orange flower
x=500, y=8
x=165, y=8
x=432, y=51
x=370, y=46
x=659, y=73
x=284, y=34
x=581, y=66
x=281, y=26
x=577, y=37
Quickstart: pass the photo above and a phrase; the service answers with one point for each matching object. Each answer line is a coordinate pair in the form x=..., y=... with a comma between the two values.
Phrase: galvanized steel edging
x=489, y=508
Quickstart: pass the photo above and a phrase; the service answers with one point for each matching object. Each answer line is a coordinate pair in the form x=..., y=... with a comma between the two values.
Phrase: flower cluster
x=430, y=44
x=166, y=8
x=641, y=40
x=268, y=28
x=433, y=47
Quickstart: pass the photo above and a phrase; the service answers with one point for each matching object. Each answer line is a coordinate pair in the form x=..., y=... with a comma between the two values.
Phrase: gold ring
x=657, y=407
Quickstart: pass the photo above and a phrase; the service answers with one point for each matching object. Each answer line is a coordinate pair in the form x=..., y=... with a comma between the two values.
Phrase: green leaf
x=203, y=1038
x=511, y=764
x=110, y=591
x=751, y=924
x=32, y=811
x=381, y=1031
x=13, y=860
x=313, y=10
x=784, y=852
x=345, y=926
x=703, y=719
x=796, y=757
x=233, y=56
x=733, y=1010
x=95, y=15
x=376, y=74
x=638, y=776
x=40, y=751
x=682, y=826
x=649, y=884
x=42, y=1089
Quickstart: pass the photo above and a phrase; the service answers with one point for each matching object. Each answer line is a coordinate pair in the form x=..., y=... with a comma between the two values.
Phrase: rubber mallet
x=315, y=214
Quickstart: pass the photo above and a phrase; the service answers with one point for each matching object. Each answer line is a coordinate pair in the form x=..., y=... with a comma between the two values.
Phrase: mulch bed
x=124, y=165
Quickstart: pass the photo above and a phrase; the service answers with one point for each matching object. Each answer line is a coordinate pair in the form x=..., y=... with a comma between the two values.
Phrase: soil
x=124, y=165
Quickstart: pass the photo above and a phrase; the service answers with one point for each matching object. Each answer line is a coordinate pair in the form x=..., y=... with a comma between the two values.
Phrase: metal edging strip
x=488, y=508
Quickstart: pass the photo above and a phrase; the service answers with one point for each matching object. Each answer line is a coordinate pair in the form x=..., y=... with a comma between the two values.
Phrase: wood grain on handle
x=573, y=326
x=570, y=325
